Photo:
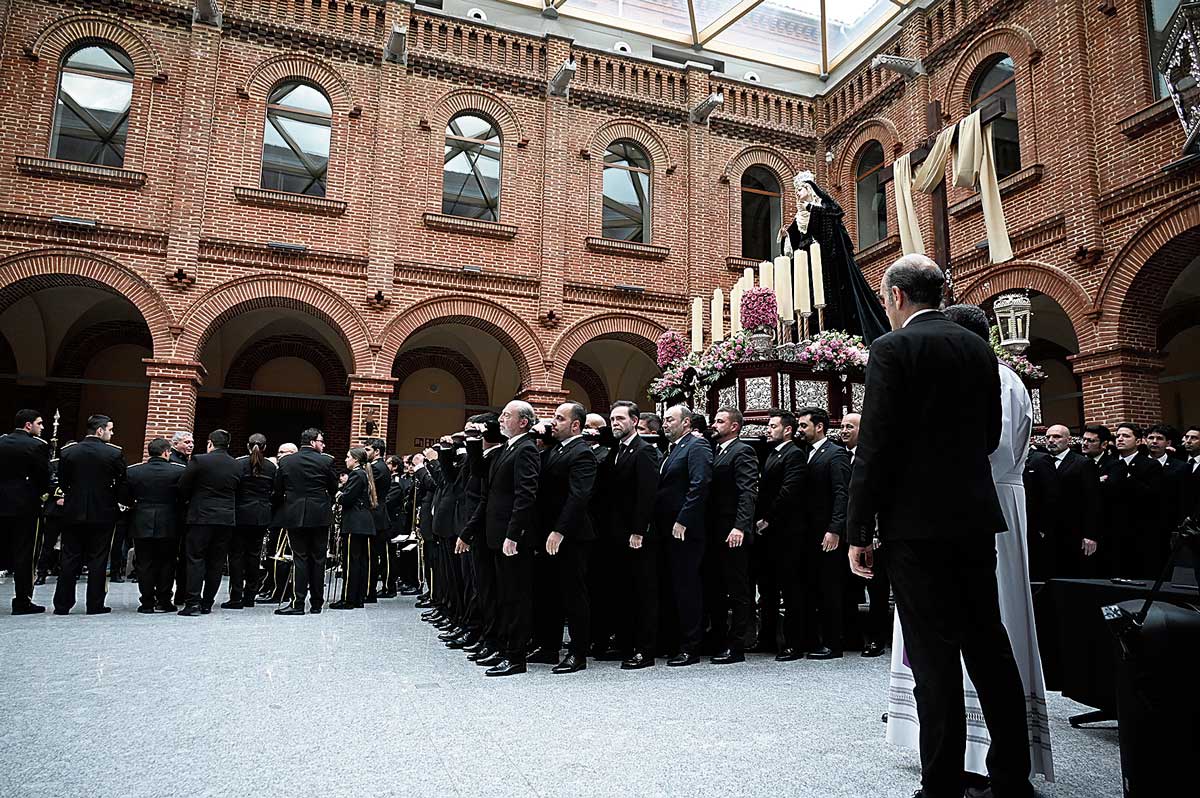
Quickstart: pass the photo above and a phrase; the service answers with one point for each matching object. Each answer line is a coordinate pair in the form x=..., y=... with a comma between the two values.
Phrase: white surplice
x=1016, y=605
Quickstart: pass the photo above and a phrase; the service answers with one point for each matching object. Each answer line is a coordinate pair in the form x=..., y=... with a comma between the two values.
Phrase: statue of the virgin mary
x=851, y=304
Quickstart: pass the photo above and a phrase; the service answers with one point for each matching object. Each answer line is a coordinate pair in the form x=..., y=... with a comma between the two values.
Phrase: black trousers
x=785, y=555
x=309, y=544
x=827, y=573
x=50, y=532
x=21, y=538
x=765, y=567
x=728, y=601
x=472, y=618
x=155, y=569
x=563, y=592
x=641, y=609
x=381, y=563
x=514, y=583
x=948, y=603
x=84, y=544
x=358, y=569
x=486, y=596
x=685, y=557
x=207, y=548
x=449, y=577
x=608, y=583
x=245, y=553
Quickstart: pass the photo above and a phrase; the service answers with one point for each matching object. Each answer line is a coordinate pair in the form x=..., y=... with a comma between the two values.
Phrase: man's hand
x=510, y=547
x=461, y=546
x=553, y=542
x=59, y=502
x=829, y=542
x=431, y=453
x=862, y=560
x=735, y=538
x=447, y=440
x=678, y=531
x=1089, y=547
x=635, y=541
x=761, y=525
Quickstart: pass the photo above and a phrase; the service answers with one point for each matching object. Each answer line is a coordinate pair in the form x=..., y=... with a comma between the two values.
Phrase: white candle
x=697, y=324
x=766, y=274
x=802, y=298
x=735, y=307
x=818, y=276
x=748, y=278
x=783, y=287
x=718, y=315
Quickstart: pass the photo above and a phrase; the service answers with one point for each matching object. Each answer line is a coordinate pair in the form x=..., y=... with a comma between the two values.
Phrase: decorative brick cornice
x=41, y=230
x=287, y=201
x=443, y=277
x=1118, y=357
x=746, y=130
x=629, y=249
x=1013, y=184
x=220, y=250
x=739, y=265
x=80, y=172
x=471, y=227
x=1152, y=190
x=175, y=369
x=605, y=296
x=883, y=97
x=238, y=23
x=1144, y=120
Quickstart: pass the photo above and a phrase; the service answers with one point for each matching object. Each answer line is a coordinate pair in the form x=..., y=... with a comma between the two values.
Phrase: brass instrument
x=281, y=555
x=335, y=572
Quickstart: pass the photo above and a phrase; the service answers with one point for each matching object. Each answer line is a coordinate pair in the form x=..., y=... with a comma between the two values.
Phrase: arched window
x=91, y=119
x=296, y=139
x=872, y=201
x=761, y=213
x=626, y=192
x=998, y=81
x=471, y=168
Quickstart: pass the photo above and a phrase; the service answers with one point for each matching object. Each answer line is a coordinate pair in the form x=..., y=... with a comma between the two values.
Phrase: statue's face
x=804, y=193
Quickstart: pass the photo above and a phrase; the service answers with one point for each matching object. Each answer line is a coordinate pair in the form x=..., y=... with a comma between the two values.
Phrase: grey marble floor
x=368, y=703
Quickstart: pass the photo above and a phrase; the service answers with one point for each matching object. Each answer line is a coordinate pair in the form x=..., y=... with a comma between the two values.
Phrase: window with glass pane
x=296, y=140
x=91, y=118
x=471, y=168
x=998, y=82
x=761, y=213
x=1158, y=15
x=626, y=192
x=872, y=200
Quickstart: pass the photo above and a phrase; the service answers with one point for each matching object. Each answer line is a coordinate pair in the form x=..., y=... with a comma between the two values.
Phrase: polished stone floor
x=368, y=703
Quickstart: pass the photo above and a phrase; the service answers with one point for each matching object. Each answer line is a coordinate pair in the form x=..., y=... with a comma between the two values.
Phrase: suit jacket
x=567, y=479
x=176, y=457
x=305, y=483
x=1076, y=511
x=1175, y=477
x=630, y=488
x=509, y=506
x=827, y=489
x=153, y=491
x=355, y=499
x=683, y=486
x=210, y=486
x=254, y=493
x=932, y=374
x=479, y=466
x=782, y=490
x=1130, y=493
x=382, y=477
x=24, y=474
x=1042, y=497
x=427, y=486
x=91, y=475
x=733, y=490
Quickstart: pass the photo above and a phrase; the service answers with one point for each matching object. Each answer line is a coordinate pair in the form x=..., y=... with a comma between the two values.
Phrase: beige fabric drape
x=911, y=242
x=932, y=170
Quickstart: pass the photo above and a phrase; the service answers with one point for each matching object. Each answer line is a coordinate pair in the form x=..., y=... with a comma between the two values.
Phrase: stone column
x=1120, y=384
x=369, y=397
x=172, y=402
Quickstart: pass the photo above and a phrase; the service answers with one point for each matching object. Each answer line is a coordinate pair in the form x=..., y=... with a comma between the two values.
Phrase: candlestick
x=804, y=324
x=718, y=315
x=697, y=324
x=802, y=299
x=783, y=287
x=735, y=308
x=818, y=277
x=766, y=275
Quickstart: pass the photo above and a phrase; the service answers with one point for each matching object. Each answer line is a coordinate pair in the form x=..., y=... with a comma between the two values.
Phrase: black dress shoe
x=57, y=611
x=246, y=604
x=28, y=609
x=315, y=609
x=482, y=654
x=430, y=615
x=505, y=668
x=341, y=605
x=161, y=608
x=872, y=650
x=231, y=605
x=682, y=659
x=789, y=655
x=570, y=664
x=495, y=658
x=824, y=652
x=471, y=648
x=422, y=603
x=99, y=611
x=461, y=642
x=371, y=600
x=146, y=609
x=409, y=591
x=728, y=657
x=452, y=634
x=190, y=611
x=206, y=610
x=290, y=611
x=543, y=656
x=637, y=662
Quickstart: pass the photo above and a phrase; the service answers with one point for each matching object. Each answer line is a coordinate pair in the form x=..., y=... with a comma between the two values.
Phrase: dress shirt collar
x=568, y=441
x=1128, y=458
x=779, y=447
x=725, y=445
x=516, y=438
x=918, y=313
x=1062, y=455
x=1162, y=460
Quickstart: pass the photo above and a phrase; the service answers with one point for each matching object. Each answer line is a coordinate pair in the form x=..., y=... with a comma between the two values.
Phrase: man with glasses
x=304, y=487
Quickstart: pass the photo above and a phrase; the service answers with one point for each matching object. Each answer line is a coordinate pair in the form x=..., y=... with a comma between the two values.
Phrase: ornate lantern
x=1013, y=314
x=1180, y=65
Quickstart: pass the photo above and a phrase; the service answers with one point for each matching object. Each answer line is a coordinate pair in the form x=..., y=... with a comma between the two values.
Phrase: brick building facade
x=181, y=260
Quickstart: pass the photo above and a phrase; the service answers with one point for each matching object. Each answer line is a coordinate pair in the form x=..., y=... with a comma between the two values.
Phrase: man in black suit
x=91, y=477
x=1175, y=472
x=679, y=507
x=483, y=444
x=1096, y=443
x=209, y=485
x=780, y=526
x=506, y=519
x=732, y=493
x=427, y=479
x=878, y=632
x=1075, y=511
x=153, y=491
x=938, y=513
x=304, y=486
x=1042, y=504
x=825, y=521
x=1129, y=486
x=564, y=540
x=24, y=479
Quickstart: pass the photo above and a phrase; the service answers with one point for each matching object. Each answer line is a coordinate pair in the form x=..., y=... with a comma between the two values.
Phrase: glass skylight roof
x=810, y=35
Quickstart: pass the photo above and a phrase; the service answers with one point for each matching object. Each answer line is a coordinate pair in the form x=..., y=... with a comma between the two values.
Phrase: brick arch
x=1011, y=40
x=266, y=74
x=458, y=365
x=82, y=346
x=494, y=319
x=455, y=102
x=58, y=36
x=757, y=155
x=222, y=302
x=637, y=331
x=877, y=129
x=51, y=268
x=592, y=385
x=1176, y=319
x=256, y=354
x=1044, y=278
x=634, y=131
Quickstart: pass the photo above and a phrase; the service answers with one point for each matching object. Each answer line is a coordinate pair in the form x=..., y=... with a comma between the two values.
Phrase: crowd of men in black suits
x=1108, y=508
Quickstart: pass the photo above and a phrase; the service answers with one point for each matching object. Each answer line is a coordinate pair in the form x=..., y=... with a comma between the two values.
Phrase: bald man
x=1075, y=513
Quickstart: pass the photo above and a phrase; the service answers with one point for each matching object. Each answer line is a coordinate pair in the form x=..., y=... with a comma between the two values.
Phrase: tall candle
x=783, y=287
x=766, y=274
x=748, y=278
x=818, y=276
x=718, y=315
x=697, y=324
x=803, y=300
x=735, y=307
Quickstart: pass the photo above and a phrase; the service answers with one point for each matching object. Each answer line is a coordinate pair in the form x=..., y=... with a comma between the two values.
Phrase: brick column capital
x=369, y=384
x=175, y=370
x=1125, y=358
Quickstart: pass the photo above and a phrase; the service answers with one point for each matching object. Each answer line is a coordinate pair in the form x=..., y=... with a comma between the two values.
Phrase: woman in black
x=358, y=501
x=253, y=514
